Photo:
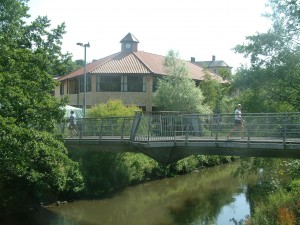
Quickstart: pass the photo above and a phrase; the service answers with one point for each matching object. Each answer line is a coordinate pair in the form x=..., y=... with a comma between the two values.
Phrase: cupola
x=129, y=43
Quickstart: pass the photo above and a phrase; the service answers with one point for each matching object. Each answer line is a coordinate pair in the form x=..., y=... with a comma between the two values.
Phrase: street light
x=84, y=82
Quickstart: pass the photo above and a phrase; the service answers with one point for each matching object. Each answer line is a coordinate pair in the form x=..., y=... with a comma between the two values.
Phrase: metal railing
x=196, y=127
x=105, y=127
x=169, y=126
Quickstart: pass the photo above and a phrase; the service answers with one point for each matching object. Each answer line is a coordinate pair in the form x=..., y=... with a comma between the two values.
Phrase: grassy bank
x=275, y=198
x=105, y=173
x=279, y=207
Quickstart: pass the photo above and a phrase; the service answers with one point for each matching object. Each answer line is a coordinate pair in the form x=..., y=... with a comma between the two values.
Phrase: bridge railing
x=171, y=126
x=106, y=127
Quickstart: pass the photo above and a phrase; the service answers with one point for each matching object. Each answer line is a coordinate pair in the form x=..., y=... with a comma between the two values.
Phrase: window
x=88, y=83
x=121, y=83
x=134, y=83
x=72, y=86
x=108, y=83
x=154, y=85
x=76, y=86
x=61, y=91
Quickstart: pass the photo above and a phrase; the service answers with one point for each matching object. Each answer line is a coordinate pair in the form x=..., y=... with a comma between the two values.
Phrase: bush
x=278, y=208
x=34, y=169
x=112, y=108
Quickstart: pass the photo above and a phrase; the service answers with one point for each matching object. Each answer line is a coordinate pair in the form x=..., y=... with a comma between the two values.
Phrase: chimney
x=193, y=59
x=213, y=58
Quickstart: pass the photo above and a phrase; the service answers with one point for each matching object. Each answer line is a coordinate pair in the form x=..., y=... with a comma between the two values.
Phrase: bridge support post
x=249, y=127
x=135, y=125
x=217, y=128
x=284, y=129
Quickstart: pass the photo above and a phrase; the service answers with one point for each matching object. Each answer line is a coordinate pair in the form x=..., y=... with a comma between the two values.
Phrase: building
x=130, y=75
x=215, y=66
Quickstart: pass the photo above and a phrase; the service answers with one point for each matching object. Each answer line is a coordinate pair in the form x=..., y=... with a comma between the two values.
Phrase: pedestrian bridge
x=169, y=136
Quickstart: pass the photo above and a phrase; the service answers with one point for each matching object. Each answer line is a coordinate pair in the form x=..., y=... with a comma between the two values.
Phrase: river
x=211, y=196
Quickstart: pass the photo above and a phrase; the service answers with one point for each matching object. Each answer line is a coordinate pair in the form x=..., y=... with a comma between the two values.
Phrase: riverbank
x=281, y=204
x=105, y=173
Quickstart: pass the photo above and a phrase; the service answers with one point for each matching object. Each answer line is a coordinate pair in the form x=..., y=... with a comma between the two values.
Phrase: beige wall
x=94, y=98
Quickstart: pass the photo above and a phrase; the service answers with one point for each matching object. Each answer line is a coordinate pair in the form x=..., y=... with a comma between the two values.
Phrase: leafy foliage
x=215, y=94
x=112, y=108
x=278, y=185
x=279, y=208
x=177, y=91
x=33, y=160
x=271, y=84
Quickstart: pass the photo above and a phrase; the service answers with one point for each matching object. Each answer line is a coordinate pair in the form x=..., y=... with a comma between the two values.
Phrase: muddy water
x=210, y=196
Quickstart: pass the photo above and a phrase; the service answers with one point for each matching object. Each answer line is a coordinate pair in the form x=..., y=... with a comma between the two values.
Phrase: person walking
x=73, y=124
x=238, y=121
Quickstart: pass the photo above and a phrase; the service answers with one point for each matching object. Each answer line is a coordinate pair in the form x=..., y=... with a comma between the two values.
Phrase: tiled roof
x=214, y=63
x=122, y=63
x=135, y=62
x=89, y=67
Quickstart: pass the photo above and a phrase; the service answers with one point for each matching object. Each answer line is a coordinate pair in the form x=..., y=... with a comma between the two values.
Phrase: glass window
x=154, y=84
x=109, y=83
x=124, y=82
x=61, y=88
x=72, y=86
x=118, y=83
x=135, y=84
x=88, y=83
x=76, y=86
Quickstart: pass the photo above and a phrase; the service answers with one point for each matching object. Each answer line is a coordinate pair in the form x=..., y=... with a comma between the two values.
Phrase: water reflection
x=191, y=199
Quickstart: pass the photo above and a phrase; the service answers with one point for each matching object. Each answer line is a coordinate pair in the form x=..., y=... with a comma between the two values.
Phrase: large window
x=134, y=83
x=118, y=83
x=154, y=85
x=72, y=86
x=88, y=83
x=109, y=83
x=76, y=86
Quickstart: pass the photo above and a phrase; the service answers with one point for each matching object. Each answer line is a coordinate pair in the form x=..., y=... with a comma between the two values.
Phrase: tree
x=107, y=171
x=271, y=84
x=33, y=160
x=275, y=61
x=215, y=94
x=177, y=91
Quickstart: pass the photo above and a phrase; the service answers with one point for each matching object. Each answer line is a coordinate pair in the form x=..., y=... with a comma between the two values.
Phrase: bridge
x=169, y=136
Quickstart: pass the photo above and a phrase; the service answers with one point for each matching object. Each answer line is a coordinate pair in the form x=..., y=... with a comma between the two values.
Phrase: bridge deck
x=168, y=138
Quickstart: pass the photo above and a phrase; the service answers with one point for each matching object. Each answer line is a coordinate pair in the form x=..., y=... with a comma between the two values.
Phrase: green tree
x=215, y=94
x=105, y=172
x=177, y=91
x=33, y=160
x=275, y=61
x=271, y=84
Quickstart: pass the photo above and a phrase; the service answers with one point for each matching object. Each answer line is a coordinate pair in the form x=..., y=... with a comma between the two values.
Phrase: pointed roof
x=212, y=64
x=129, y=38
x=137, y=62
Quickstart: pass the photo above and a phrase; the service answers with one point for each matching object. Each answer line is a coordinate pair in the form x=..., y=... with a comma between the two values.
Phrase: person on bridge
x=238, y=121
x=73, y=124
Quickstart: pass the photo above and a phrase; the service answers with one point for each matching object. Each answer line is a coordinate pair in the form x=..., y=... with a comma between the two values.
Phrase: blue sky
x=194, y=28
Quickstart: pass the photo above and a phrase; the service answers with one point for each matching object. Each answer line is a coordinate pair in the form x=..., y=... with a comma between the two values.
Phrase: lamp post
x=84, y=82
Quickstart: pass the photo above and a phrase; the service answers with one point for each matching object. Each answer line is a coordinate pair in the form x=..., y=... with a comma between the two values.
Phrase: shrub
x=279, y=208
x=112, y=108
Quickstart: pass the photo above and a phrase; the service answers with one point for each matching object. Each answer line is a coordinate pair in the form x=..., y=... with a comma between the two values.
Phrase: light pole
x=84, y=82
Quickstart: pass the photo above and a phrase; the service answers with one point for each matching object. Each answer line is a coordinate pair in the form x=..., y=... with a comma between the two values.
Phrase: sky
x=193, y=28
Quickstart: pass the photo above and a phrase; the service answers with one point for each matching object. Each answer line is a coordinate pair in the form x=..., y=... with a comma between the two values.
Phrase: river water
x=211, y=196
